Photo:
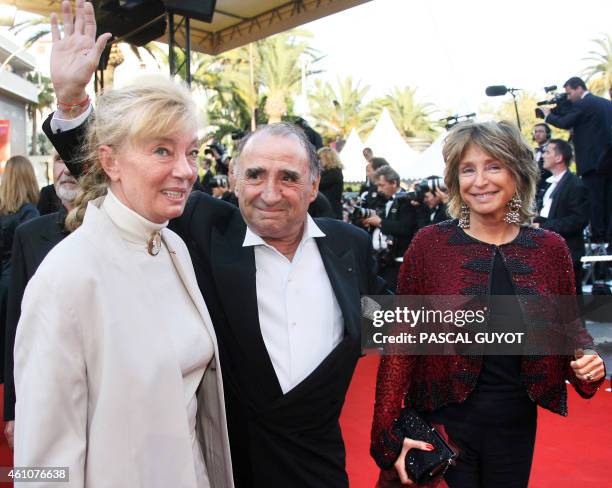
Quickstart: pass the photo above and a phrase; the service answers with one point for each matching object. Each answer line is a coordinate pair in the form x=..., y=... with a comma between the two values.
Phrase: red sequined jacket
x=444, y=260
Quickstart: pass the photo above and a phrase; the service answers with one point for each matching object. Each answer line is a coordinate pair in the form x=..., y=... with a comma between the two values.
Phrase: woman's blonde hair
x=331, y=156
x=502, y=141
x=151, y=106
x=19, y=185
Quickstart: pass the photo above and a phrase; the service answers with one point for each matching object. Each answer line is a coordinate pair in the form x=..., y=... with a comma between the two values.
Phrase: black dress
x=331, y=185
x=8, y=225
x=494, y=428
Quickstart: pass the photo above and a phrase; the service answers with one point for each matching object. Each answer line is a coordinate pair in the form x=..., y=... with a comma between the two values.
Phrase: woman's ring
x=589, y=377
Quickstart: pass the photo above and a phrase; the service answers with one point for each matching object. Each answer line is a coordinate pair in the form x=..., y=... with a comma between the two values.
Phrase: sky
x=451, y=50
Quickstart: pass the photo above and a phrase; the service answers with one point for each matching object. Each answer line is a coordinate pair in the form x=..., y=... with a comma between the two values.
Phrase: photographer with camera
x=435, y=206
x=429, y=197
x=216, y=151
x=219, y=185
x=398, y=223
x=370, y=196
x=590, y=119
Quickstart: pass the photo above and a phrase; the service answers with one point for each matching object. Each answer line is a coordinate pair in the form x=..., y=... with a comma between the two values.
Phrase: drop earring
x=464, y=216
x=512, y=215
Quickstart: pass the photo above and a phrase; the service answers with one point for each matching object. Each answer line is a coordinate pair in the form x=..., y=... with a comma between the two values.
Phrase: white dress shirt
x=547, y=201
x=300, y=319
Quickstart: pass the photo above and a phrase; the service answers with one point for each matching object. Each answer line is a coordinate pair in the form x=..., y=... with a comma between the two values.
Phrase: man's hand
x=373, y=221
x=75, y=57
x=546, y=111
x=442, y=195
x=535, y=225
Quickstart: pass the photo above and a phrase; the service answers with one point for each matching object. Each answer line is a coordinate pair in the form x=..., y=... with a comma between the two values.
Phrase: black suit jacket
x=32, y=242
x=400, y=224
x=276, y=440
x=48, y=202
x=569, y=213
x=591, y=119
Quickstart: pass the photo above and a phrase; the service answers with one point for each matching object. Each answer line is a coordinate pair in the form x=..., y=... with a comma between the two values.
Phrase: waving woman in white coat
x=116, y=367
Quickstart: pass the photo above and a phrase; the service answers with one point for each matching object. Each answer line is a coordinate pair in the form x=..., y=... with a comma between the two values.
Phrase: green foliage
x=411, y=117
x=337, y=110
x=46, y=98
x=599, y=73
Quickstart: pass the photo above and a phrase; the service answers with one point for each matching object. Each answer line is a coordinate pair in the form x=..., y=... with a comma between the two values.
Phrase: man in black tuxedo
x=32, y=242
x=590, y=119
x=398, y=222
x=565, y=206
x=289, y=349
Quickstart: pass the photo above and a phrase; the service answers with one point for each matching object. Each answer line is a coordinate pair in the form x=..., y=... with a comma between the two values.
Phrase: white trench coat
x=99, y=388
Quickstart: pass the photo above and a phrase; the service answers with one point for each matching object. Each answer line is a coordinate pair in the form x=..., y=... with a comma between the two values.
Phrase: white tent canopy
x=430, y=162
x=386, y=142
x=352, y=158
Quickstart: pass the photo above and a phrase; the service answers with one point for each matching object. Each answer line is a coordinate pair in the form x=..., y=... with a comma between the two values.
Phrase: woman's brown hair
x=502, y=141
x=19, y=185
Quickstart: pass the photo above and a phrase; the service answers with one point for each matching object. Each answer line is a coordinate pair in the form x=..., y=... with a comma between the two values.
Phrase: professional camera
x=561, y=104
x=238, y=134
x=431, y=183
x=356, y=213
x=217, y=146
x=219, y=181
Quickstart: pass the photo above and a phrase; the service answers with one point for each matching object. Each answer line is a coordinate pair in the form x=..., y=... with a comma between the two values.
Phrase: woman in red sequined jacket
x=485, y=405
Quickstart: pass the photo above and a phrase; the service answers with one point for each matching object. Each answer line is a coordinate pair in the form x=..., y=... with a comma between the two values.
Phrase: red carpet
x=570, y=451
x=6, y=455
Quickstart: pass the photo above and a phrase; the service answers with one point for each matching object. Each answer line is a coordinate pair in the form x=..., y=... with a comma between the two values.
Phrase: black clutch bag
x=425, y=466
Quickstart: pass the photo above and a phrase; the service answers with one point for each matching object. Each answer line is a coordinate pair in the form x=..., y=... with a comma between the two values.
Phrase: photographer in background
x=398, y=225
x=434, y=207
x=541, y=136
x=371, y=197
x=203, y=183
x=429, y=197
x=565, y=207
x=590, y=119
x=216, y=150
x=219, y=185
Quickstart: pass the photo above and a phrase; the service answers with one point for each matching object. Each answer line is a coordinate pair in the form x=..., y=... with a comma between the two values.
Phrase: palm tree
x=340, y=109
x=238, y=77
x=38, y=28
x=279, y=71
x=599, y=72
x=411, y=117
x=115, y=59
x=46, y=98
